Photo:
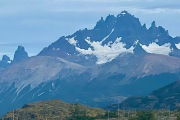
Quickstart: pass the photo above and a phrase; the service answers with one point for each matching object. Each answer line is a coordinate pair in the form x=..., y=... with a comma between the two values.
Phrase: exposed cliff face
x=20, y=54
x=5, y=62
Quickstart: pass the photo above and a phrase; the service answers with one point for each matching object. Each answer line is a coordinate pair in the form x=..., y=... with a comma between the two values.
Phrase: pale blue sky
x=37, y=23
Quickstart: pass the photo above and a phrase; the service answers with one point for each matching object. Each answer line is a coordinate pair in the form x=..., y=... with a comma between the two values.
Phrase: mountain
x=111, y=37
x=167, y=97
x=5, y=62
x=20, y=54
x=55, y=110
x=45, y=77
x=21, y=83
x=118, y=58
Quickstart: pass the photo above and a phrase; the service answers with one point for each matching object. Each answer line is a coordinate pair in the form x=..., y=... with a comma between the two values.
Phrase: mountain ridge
x=111, y=37
x=44, y=77
x=164, y=98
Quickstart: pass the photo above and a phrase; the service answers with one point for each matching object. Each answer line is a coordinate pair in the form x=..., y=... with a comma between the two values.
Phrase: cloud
x=130, y=9
x=106, y=6
x=38, y=7
x=95, y=1
x=158, y=11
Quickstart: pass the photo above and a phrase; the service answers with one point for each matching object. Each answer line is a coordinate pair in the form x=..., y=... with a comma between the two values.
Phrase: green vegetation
x=58, y=110
x=144, y=115
x=54, y=110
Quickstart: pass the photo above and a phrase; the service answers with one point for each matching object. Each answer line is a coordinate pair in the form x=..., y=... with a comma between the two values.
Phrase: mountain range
x=111, y=37
x=116, y=59
x=167, y=97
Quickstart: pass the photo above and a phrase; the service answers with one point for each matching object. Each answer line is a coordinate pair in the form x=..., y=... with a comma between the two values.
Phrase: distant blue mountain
x=5, y=62
x=19, y=55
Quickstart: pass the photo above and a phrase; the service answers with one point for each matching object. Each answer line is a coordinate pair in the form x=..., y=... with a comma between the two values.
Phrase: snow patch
x=108, y=35
x=72, y=41
x=50, y=90
x=41, y=93
x=56, y=49
x=53, y=85
x=86, y=58
x=155, y=48
x=136, y=42
x=178, y=46
x=105, y=53
x=9, y=61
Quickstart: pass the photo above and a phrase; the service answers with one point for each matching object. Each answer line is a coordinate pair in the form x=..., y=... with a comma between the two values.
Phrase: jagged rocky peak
x=138, y=48
x=5, y=58
x=153, y=24
x=153, y=29
x=114, y=34
x=159, y=29
x=20, y=54
x=109, y=22
x=127, y=24
x=5, y=62
x=100, y=24
x=144, y=27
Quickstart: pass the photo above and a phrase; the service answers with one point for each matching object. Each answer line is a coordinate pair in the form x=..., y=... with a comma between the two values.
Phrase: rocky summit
x=5, y=62
x=111, y=37
x=20, y=54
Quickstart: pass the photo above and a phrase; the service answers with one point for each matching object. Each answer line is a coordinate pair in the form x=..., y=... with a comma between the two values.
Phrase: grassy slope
x=53, y=110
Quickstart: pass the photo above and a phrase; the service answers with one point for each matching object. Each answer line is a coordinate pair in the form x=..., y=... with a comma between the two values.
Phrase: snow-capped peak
x=101, y=41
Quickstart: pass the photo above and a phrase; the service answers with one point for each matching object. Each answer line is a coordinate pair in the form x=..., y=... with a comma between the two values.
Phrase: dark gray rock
x=5, y=62
x=20, y=55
